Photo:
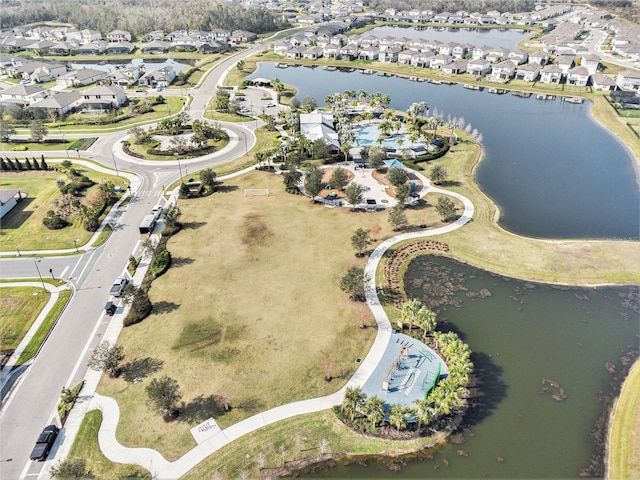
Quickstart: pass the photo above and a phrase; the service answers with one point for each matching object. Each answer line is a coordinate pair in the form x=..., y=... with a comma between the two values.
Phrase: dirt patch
x=255, y=231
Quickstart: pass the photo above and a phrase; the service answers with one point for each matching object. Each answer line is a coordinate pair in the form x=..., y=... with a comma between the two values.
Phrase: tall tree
x=438, y=174
x=163, y=395
x=339, y=178
x=313, y=182
x=353, y=194
x=38, y=130
x=397, y=176
x=354, y=282
x=360, y=240
x=397, y=217
x=107, y=358
x=208, y=178
x=374, y=406
x=445, y=208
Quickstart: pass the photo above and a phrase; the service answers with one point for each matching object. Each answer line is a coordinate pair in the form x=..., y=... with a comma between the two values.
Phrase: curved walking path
x=160, y=468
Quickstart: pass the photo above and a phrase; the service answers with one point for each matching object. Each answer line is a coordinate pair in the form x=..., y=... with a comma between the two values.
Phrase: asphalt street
x=31, y=403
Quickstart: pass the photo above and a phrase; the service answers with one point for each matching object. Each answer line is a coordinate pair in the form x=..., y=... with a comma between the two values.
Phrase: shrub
x=54, y=222
x=160, y=263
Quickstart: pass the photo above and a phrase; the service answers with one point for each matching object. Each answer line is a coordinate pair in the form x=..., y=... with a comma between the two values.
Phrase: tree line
x=143, y=16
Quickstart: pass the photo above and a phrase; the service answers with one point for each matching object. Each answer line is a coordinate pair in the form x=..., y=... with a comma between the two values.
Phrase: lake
x=477, y=37
x=521, y=333
x=548, y=165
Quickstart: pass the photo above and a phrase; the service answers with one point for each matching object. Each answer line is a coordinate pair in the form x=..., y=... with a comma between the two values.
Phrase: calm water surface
x=553, y=171
x=476, y=37
x=521, y=334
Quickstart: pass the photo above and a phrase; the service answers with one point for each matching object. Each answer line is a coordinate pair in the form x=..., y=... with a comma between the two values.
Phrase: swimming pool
x=367, y=136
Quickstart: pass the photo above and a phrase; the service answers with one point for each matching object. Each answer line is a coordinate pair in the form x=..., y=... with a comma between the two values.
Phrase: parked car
x=157, y=210
x=44, y=443
x=270, y=104
x=118, y=286
x=110, y=308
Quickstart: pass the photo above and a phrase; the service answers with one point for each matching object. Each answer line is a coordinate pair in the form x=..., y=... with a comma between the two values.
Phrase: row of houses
x=98, y=99
x=497, y=64
x=39, y=71
x=89, y=42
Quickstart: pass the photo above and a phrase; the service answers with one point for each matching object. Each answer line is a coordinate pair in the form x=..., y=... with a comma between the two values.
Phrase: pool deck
x=408, y=366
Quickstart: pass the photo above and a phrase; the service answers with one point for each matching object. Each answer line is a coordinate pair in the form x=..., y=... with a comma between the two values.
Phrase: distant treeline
x=142, y=16
x=439, y=6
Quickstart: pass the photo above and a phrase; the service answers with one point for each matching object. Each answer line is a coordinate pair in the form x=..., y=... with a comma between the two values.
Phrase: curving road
x=30, y=403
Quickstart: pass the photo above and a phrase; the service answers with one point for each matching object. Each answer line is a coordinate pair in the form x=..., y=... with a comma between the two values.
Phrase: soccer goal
x=249, y=192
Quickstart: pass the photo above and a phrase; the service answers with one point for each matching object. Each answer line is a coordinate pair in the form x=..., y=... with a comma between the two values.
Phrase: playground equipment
x=403, y=353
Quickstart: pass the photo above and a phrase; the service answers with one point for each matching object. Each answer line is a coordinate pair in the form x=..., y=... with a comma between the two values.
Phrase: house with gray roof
x=578, y=77
x=528, y=72
x=628, y=80
x=80, y=78
x=61, y=102
x=603, y=82
x=156, y=46
x=103, y=98
x=551, y=74
x=160, y=77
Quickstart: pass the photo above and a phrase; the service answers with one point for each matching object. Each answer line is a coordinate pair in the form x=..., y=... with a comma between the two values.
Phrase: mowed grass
x=86, y=446
x=19, y=306
x=23, y=225
x=263, y=312
x=624, y=439
x=300, y=437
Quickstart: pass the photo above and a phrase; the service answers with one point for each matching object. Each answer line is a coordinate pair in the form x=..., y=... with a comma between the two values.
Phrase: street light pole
x=114, y=163
x=75, y=242
x=179, y=167
x=35, y=262
x=18, y=250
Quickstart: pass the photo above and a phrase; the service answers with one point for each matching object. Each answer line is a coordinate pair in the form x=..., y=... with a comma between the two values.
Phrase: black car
x=110, y=308
x=43, y=444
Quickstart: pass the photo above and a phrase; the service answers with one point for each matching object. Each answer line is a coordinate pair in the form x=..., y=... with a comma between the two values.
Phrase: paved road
x=62, y=361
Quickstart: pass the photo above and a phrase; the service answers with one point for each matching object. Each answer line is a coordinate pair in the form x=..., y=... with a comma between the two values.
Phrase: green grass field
x=23, y=225
x=624, y=439
x=19, y=306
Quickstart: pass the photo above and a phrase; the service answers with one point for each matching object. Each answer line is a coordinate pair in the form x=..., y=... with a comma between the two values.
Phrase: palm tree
x=362, y=95
x=397, y=417
x=385, y=127
x=409, y=312
x=354, y=398
x=422, y=413
x=385, y=99
x=426, y=320
x=374, y=406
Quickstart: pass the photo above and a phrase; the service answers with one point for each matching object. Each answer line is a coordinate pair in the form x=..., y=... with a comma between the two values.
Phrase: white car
x=270, y=104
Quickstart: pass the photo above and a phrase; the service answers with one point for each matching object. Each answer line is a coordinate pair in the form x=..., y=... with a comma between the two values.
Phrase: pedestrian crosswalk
x=148, y=193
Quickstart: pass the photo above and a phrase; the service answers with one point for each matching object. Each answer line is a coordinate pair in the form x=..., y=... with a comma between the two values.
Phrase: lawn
x=86, y=446
x=285, y=254
x=26, y=146
x=624, y=436
x=19, y=306
x=23, y=225
x=211, y=147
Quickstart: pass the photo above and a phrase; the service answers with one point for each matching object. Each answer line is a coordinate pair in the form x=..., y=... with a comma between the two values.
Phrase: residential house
x=591, y=63
x=497, y=54
x=331, y=51
x=390, y=54
x=540, y=57
x=90, y=36
x=528, y=72
x=242, y=36
x=185, y=43
x=63, y=48
x=447, y=48
x=94, y=48
x=480, y=52
x=40, y=47
x=156, y=46
x=518, y=56
x=118, y=36
x=312, y=53
x=59, y=102
x=422, y=59
x=37, y=71
x=478, y=66
x=103, y=98
x=23, y=94
x=120, y=48
x=578, y=77
x=296, y=52
x=440, y=61
x=8, y=200
x=404, y=57
x=603, y=82
x=151, y=36
x=628, y=80
x=125, y=76
x=161, y=77
x=565, y=62
x=221, y=35
x=348, y=52
x=455, y=68
x=80, y=78
x=370, y=52
x=551, y=74
x=281, y=47
x=503, y=71
x=459, y=50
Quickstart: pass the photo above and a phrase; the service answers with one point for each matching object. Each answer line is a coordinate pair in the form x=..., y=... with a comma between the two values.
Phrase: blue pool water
x=367, y=136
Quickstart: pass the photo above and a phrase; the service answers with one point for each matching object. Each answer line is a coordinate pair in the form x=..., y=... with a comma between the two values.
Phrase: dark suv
x=43, y=444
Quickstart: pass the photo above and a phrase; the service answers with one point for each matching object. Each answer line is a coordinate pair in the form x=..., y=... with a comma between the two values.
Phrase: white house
x=551, y=74
x=628, y=80
x=102, y=98
x=528, y=72
x=578, y=77
x=8, y=200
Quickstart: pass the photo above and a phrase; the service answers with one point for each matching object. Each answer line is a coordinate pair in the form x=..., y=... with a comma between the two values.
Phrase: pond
x=548, y=165
x=478, y=37
x=531, y=343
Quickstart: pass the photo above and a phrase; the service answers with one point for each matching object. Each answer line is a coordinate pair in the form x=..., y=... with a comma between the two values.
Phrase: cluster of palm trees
x=447, y=397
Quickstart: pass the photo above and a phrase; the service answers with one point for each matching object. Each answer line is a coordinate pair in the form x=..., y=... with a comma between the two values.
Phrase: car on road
x=44, y=443
x=157, y=210
x=270, y=104
x=140, y=90
x=110, y=308
x=118, y=286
